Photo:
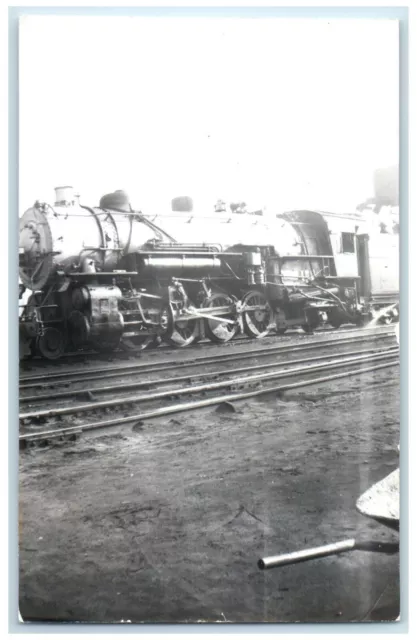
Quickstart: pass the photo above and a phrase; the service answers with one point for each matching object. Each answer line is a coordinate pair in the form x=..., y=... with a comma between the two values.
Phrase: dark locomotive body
x=104, y=275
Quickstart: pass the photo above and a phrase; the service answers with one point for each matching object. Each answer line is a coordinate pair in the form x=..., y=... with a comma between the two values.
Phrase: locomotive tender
x=99, y=275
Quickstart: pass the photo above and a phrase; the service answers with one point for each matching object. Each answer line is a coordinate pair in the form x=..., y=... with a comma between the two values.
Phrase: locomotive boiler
x=106, y=274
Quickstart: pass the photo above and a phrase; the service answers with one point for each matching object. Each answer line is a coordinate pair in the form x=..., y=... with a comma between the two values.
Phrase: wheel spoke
x=257, y=314
x=217, y=331
x=182, y=333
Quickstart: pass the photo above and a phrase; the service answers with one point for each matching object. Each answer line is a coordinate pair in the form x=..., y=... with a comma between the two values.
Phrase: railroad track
x=77, y=357
x=149, y=384
x=56, y=379
x=243, y=387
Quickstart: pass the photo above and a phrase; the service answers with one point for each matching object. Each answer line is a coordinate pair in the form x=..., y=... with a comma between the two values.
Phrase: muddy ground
x=164, y=521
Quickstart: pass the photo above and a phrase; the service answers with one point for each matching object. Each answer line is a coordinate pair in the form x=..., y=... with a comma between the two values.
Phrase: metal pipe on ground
x=272, y=562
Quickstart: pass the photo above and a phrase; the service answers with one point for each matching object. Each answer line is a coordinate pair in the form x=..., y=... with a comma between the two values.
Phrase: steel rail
x=187, y=378
x=350, y=334
x=27, y=382
x=131, y=352
x=49, y=413
x=191, y=406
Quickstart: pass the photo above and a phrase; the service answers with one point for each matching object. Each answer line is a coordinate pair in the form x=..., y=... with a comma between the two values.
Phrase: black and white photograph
x=209, y=319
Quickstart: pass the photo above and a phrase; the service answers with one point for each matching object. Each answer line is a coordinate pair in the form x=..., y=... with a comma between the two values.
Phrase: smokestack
x=386, y=187
x=64, y=196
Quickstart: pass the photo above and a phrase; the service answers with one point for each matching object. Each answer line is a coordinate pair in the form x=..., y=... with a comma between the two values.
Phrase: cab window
x=348, y=243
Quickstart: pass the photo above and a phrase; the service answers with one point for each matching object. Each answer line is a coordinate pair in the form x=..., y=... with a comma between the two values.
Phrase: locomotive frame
x=118, y=287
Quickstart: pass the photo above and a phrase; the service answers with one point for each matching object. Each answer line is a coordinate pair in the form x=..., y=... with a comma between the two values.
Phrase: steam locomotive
x=106, y=274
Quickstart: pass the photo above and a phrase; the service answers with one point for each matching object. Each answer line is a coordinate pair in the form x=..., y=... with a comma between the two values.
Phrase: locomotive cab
x=378, y=260
x=330, y=292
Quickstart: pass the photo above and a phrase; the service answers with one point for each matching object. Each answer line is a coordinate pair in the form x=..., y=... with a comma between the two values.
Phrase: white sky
x=285, y=113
